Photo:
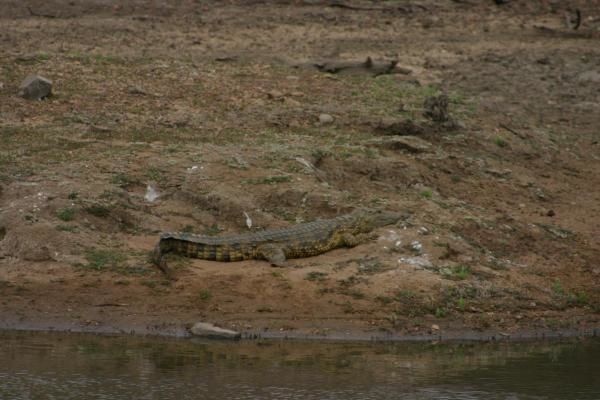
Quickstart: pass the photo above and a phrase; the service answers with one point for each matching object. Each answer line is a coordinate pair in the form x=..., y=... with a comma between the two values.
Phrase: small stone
x=435, y=327
x=291, y=102
x=325, y=119
x=207, y=330
x=35, y=87
x=275, y=95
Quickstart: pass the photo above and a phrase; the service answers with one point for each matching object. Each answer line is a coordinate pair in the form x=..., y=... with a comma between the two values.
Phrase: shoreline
x=453, y=336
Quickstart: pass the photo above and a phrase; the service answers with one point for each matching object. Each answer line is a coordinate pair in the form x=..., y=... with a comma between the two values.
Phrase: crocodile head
x=366, y=221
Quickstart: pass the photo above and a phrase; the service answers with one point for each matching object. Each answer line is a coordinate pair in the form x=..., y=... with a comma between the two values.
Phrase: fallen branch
x=34, y=14
x=514, y=132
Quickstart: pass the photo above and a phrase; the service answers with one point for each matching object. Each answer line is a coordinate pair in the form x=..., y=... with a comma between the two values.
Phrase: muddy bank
x=195, y=117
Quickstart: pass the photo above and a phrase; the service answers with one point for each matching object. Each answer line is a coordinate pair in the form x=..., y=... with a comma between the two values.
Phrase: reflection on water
x=75, y=366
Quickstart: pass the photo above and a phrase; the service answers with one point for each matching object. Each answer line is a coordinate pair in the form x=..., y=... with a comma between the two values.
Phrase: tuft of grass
x=405, y=295
x=441, y=312
x=354, y=293
x=426, y=194
x=212, y=230
x=578, y=299
x=98, y=210
x=150, y=283
x=103, y=259
x=458, y=272
x=205, y=294
x=384, y=300
x=500, y=142
x=316, y=276
x=66, y=228
x=269, y=180
x=121, y=180
x=155, y=174
x=73, y=196
x=372, y=266
x=557, y=288
x=66, y=214
x=461, y=304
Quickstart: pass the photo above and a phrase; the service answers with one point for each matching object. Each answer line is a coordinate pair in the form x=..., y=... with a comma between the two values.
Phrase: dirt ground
x=216, y=106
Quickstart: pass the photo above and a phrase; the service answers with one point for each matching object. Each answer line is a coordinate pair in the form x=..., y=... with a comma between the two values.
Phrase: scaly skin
x=277, y=245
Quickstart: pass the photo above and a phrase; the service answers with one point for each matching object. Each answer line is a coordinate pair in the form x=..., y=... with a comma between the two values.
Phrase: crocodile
x=277, y=245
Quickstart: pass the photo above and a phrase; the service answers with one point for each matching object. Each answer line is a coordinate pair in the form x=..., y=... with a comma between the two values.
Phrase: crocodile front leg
x=273, y=254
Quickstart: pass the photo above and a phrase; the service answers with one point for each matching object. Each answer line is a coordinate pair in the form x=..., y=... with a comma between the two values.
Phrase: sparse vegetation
x=66, y=228
x=66, y=214
x=457, y=272
x=205, y=295
x=98, y=210
x=103, y=259
x=269, y=180
x=316, y=276
x=500, y=142
x=426, y=194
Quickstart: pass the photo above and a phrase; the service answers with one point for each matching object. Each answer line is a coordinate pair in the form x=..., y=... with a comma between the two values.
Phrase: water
x=78, y=366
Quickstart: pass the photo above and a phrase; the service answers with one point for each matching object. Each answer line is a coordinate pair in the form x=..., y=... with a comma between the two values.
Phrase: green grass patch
x=316, y=276
x=557, y=288
x=578, y=299
x=441, y=312
x=426, y=194
x=500, y=142
x=66, y=214
x=104, y=259
x=269, y=180
x=205, y=295
x=121, y=180
x=154, y=174
x=98, y=210
x=458, y=272
x=66, y=228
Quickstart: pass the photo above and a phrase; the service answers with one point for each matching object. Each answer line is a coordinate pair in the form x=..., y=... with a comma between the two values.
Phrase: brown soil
x=216, y=105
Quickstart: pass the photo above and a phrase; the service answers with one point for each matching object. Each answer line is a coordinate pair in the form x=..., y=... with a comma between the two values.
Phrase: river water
x=79, y=366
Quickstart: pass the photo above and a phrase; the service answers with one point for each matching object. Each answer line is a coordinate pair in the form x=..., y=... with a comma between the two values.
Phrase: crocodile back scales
x=302, y=240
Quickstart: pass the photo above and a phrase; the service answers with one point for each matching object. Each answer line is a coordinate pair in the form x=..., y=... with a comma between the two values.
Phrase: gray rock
x=204, y=329
x=589, y=76
x=412, y=144
x=35, y=87
x=325, y=119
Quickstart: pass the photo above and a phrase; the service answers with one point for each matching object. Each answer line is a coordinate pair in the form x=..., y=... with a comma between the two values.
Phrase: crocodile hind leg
x=351, y=240
x=273, y=254
x=158, y=259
